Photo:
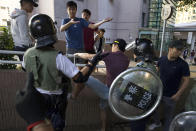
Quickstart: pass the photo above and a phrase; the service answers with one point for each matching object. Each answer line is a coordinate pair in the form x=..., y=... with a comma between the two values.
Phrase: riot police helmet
x=144, y=49
x=43, y=30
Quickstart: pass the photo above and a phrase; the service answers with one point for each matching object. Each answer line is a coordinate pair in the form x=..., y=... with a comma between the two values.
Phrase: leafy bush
x=6, y=43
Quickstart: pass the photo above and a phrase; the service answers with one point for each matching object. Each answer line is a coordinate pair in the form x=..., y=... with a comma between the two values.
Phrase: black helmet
x=42, y=29
x=144, y=49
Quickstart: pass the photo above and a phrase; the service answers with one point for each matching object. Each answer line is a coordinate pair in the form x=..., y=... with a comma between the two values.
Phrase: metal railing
x=68, y=55
x=9, y=52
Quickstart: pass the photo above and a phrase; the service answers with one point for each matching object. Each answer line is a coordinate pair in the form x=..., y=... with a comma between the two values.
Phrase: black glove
x=93, y=61
x=99, y=56
x=30, y=104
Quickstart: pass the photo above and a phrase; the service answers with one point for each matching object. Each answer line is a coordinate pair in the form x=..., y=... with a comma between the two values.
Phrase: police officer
x=144, y=54
x=52, y=70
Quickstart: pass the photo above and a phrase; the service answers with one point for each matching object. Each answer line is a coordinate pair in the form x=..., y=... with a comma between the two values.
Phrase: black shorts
x=56, y=105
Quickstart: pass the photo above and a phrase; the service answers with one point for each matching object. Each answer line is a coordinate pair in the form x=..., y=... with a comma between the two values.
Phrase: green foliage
x=6, y=43
x=184, y=3
x=1, y=28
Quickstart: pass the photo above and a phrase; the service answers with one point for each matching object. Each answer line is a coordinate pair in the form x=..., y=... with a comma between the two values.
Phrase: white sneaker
x=153, y=126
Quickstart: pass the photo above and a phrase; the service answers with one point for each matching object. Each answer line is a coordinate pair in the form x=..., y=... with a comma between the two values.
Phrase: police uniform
x=144, y=52
x=52, y=70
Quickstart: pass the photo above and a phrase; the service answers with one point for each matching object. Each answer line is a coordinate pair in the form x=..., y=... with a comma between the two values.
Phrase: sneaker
x=153, y=126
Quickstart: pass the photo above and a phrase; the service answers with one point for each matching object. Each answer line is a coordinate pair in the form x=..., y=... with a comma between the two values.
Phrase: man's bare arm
x=66, y=26
x=85, y=56
x=96, y=25
x=184, y=85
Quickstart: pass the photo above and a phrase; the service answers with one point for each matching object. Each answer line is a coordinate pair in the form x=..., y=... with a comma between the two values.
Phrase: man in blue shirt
x=73, y=28
x=174, y=74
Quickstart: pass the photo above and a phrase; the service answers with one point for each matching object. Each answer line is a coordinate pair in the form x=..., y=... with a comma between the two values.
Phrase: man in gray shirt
x=19, y=26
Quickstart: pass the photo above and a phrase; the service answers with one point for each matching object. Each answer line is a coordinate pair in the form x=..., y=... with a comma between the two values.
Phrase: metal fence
x=68, y=55
x=9, y=52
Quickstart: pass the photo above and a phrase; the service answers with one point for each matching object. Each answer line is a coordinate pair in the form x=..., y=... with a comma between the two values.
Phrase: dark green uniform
x=42, y=62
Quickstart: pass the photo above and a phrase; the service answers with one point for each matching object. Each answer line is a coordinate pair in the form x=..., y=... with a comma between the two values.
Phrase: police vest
x=42, y=62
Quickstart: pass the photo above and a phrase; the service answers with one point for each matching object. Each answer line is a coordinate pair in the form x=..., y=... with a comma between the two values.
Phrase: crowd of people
x=51, y=73
x=192, y=59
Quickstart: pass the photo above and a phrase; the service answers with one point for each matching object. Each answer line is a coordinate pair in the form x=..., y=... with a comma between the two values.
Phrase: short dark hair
x=21, y=3
x=178, y=44
x=71, y=4
x=31, y=1
x=87, y=11
x=101, y=29
x=121, y=44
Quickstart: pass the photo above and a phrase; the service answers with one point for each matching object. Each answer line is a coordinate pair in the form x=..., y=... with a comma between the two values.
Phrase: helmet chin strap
x=46, y=41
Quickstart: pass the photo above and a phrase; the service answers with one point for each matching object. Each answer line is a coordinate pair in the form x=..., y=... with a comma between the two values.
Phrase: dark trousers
x=139, y=125
x=18, y=48
x=56, y=105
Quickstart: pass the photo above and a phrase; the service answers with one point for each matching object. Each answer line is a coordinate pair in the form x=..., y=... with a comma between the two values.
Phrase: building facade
x=128, y=15
x=185, y=28
x=186, y=14
x=131, y=18
x=155, y=24
x=6, y=7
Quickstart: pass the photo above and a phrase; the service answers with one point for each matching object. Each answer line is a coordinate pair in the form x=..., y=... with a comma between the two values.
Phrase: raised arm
x=67, y=25
x=96, y=25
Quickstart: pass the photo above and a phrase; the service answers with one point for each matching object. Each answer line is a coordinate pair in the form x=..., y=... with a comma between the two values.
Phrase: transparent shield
x=185, y=121
x=135, y=93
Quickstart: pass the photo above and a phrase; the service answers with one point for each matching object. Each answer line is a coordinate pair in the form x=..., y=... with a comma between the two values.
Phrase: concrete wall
x=46, y=7
x=126, y=14
x=126, y=18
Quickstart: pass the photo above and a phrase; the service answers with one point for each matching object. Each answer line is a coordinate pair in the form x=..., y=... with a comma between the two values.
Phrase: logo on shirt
x=75, y=25
x=174, y=67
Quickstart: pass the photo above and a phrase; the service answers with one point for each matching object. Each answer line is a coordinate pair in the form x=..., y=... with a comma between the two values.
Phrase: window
x=143, y=19
x=193, y=17
x=194, y=11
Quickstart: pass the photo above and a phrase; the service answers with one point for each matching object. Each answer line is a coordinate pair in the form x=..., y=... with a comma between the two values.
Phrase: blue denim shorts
x=100, y=89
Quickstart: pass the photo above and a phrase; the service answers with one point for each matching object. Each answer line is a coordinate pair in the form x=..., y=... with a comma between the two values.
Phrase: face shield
x=184, y=122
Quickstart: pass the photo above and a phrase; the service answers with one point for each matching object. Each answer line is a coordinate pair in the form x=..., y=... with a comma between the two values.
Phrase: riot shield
x=135, y=93
x=185, y=121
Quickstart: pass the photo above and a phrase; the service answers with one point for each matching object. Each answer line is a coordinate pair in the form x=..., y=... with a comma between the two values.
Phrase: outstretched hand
x=107, y=19
x=74, y=22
